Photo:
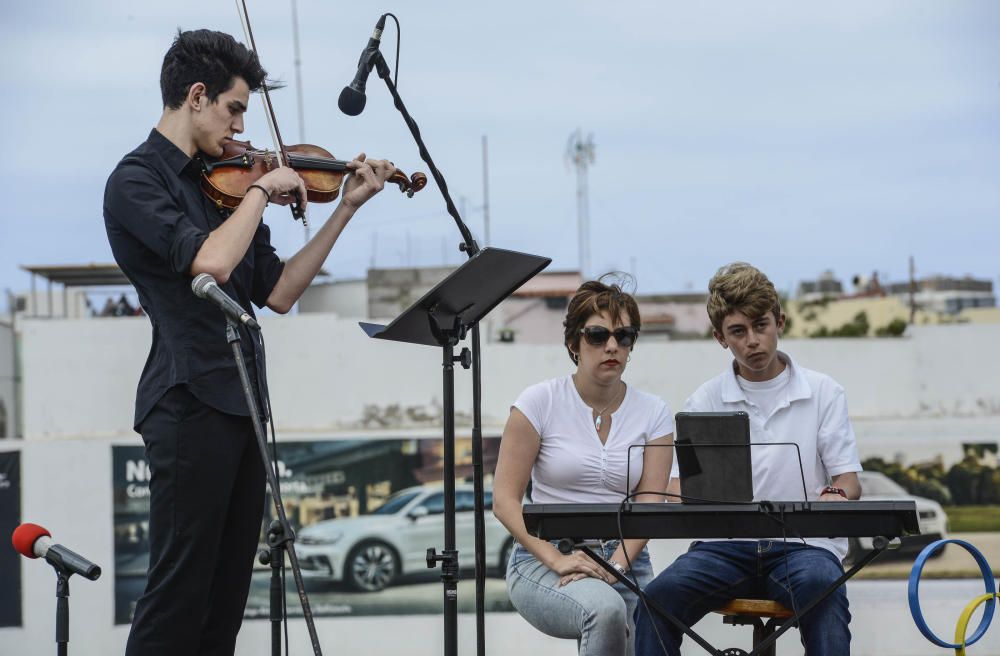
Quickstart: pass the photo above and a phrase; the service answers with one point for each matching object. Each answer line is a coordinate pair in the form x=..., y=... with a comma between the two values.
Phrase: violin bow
x=272, y=122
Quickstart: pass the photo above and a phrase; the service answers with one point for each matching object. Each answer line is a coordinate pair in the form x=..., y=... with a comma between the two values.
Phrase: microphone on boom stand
x=352, y=98
x=204, y=286
x=446, y=332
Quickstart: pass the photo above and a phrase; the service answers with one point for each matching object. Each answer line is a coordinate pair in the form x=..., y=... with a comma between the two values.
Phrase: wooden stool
x=753, y=611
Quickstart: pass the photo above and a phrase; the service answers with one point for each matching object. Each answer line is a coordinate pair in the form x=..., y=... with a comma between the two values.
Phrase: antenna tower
x=580, y=153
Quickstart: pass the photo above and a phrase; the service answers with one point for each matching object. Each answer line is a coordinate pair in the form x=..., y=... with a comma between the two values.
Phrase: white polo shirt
x=811, y=411
x=572, y=465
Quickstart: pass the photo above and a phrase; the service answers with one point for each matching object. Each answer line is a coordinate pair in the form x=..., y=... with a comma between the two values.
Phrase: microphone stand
x=62, y=610
x=280, y=537
x=470, y=248
x=62, y=607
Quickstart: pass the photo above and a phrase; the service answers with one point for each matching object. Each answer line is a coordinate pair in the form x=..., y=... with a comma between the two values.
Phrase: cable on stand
x=280, y=536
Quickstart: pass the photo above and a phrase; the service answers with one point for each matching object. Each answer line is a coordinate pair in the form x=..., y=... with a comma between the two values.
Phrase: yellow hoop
x=963, y=620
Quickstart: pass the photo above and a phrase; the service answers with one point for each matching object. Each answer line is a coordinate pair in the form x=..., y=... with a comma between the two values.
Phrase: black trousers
x=206, y=508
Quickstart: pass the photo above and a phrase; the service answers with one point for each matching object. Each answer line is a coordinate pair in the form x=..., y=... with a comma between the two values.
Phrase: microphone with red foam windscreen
x=34, y=541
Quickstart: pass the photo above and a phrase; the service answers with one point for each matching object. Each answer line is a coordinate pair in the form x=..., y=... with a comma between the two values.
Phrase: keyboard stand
x=879, y=544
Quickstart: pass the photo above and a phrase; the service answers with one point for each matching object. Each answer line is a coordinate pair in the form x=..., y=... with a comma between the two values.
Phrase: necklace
x=599, y=419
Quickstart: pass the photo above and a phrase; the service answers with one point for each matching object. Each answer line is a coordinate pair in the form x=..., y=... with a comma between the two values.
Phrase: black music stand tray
x=441, y=318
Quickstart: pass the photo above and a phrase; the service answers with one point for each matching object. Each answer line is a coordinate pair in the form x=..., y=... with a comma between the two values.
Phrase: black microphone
x=33, y=541
x=204, y=286
x=352, y=98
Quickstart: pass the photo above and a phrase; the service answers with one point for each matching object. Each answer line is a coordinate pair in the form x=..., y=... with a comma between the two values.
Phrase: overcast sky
x=797, y=136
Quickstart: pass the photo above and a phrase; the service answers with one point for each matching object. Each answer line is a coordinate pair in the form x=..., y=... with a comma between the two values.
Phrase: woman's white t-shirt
x=572, y=465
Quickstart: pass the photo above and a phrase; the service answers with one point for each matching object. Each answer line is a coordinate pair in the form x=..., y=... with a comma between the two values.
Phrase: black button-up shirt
x=157, y=218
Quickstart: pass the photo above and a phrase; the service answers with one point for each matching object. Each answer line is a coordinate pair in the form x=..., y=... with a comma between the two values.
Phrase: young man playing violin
x=207, y=486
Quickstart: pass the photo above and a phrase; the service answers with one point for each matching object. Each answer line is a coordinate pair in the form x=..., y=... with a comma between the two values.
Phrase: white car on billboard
x=876, y=486
x=369, y=552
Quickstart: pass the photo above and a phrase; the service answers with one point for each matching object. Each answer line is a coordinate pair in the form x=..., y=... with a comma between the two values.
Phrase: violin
x=226, y=180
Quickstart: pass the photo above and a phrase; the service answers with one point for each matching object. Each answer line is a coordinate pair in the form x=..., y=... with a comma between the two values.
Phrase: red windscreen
x=24, y=538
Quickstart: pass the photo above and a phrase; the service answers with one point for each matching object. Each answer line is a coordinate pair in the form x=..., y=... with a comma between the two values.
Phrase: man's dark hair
x=212, y=58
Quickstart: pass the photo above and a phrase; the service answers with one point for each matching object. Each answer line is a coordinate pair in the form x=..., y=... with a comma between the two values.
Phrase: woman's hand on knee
x=577, y=566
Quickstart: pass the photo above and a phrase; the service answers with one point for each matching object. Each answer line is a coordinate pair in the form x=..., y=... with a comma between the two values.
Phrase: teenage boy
x=785, y=403
x=207, y=486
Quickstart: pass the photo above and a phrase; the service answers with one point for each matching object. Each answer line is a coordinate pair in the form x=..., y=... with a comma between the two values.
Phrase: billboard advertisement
x=364, y=511
x=10, y=519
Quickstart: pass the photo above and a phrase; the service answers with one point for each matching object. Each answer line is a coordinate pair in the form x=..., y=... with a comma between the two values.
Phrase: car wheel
x=371, y=566
x=854, y=552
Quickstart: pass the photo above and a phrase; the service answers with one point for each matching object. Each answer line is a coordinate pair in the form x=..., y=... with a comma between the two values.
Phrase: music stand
x=441, y=318
x=713, y=457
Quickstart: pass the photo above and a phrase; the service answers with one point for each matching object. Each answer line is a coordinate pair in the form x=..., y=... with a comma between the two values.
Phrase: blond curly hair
x=740, y=287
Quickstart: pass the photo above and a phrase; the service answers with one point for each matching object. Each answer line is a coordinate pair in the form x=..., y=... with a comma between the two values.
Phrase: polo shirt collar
x=798, y=386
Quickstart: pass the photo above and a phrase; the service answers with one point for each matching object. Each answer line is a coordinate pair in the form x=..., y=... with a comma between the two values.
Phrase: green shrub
x=925, y=480
x=973, y=519
x=856, y=327
x=894, y=328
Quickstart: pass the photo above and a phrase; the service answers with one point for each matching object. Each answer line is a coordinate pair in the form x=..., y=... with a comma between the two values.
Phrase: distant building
x=675, y=316
x=867, y=286
x=936, y=299
x=533, y=314
x=9, y=381
x=825, y=286
x=815, y=317
x=946, y=295
x=347, y=298
x=76, y=292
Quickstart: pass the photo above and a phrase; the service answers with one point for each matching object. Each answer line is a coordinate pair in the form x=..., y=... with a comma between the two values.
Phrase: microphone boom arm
x=469, y=245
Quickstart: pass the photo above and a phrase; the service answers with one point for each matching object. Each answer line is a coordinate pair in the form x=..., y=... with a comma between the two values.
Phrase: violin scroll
x=415, y=183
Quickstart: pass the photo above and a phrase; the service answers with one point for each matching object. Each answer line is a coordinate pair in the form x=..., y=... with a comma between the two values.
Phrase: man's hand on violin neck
x=367, y=178
x=284, y=186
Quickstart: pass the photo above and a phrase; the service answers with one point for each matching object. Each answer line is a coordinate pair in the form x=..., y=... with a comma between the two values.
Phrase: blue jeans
x=712, y=573
x=597, y=615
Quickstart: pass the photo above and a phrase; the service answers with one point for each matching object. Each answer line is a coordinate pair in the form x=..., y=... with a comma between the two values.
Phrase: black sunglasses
x=599, y=335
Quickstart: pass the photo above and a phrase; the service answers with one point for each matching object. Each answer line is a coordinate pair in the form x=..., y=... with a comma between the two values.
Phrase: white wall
x=79, y=382
x=80, y=376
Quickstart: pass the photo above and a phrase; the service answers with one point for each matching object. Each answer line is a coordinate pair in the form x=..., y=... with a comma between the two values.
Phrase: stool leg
x=765, y=632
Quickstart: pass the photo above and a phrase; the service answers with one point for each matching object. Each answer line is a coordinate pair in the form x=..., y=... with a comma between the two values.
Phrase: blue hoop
x=918, y=618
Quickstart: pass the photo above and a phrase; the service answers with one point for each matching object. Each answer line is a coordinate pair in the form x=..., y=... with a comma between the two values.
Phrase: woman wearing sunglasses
x=570, y=436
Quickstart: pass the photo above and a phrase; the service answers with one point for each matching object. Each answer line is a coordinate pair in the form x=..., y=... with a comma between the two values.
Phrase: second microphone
x=204, y=286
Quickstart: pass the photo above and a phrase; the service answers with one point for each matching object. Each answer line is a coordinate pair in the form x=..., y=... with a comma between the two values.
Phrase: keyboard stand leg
x=662, y=612
x=879, y=543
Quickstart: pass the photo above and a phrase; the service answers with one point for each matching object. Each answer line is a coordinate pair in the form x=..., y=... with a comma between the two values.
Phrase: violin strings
x=319, y=162
x=315, y=161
